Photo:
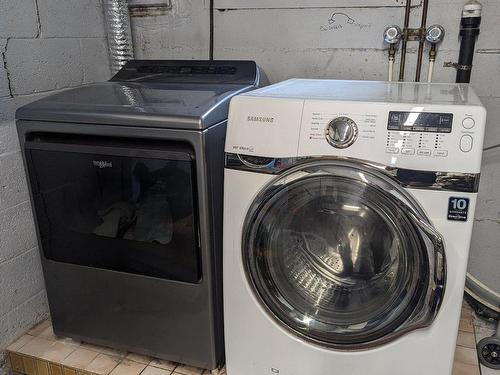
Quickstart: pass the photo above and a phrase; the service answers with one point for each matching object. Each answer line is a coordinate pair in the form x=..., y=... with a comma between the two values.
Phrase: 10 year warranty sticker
x=458, y=208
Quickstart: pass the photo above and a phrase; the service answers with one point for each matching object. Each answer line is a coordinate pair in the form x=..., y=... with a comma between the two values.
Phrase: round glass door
x=336, y=254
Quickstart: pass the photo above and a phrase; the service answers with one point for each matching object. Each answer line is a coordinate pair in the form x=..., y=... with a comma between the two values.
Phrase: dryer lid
x=172, y=94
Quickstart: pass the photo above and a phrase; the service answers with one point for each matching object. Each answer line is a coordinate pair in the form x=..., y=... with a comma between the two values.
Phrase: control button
x=441, y=153
x=466, y=143
x=408, y=151
x=424, y=152
x=341, y=132
x=392, y=150
x=468, y=123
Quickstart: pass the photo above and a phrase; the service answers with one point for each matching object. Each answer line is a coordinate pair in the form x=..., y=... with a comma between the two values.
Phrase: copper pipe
x=405, y=41
x=422, y=40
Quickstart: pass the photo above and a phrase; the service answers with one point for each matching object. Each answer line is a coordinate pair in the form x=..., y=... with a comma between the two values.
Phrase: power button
x=468, y=123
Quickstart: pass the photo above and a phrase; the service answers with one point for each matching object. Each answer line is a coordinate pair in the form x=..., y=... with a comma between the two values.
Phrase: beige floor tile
x=466, y=325
x=464, y=369
x=188, y=370
x=466, y=339
x=80, y=358
x=139, y=358
x=69, y=341
x=20, y=342
x=58, y=352
x=113, y=352
x=39, y=328
x=48, y=333
x=150, y=370
x=94, y=348
x=103, y=364
x=127, y=367
x=161, y=363
x=466, y=356
x=36, y=347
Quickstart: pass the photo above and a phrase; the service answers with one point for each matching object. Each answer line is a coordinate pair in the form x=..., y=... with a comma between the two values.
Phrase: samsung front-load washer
x=348, y=217
x=126, y=183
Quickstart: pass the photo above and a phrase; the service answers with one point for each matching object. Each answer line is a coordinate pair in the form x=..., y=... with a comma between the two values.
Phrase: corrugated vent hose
x=118, y=32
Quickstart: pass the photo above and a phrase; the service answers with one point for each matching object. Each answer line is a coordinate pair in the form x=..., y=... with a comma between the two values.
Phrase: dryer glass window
x=336, y=259
x=129, y=213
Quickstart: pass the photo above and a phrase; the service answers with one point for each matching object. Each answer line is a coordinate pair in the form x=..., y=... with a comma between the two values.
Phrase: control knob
x=341, y=132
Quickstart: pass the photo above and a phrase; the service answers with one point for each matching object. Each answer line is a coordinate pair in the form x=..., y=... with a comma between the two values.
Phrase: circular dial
x=341, y=132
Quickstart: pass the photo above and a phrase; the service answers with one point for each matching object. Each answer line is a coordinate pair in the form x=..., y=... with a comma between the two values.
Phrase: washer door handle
x=437, y=260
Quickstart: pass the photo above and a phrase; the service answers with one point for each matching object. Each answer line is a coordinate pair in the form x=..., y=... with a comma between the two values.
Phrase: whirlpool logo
x=262, y=119
x=101, y=164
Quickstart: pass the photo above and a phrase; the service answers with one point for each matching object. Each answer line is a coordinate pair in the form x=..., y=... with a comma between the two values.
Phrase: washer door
x=341, y=255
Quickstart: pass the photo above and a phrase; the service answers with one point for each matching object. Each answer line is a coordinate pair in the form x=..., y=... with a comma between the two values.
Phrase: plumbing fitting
x=434, y=35
x=392, y=36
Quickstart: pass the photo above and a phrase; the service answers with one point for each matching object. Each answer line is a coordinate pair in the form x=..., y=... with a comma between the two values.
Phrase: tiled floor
x=40, y=352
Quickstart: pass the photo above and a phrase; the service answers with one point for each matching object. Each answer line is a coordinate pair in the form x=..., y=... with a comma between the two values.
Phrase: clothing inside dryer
x=127, y=214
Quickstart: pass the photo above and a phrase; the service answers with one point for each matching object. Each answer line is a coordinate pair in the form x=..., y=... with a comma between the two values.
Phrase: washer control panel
x=425, y=137
x=428, y=133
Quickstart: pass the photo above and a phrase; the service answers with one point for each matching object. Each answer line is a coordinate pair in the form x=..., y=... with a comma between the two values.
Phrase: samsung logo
x=102, y=164
x=267, y=120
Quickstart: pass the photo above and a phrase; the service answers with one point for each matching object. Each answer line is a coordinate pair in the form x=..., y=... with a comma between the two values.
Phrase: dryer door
x=338, y=253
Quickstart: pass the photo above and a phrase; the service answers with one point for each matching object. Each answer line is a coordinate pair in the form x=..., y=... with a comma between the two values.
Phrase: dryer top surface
x=168, y=94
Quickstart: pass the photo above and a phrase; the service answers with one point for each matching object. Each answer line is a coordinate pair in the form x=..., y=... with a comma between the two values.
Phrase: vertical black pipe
x=211, y=46
x=469, y=31
x=405, y=41
x=423, y=25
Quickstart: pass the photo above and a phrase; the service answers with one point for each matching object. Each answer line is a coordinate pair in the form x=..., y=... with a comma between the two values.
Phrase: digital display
x=420, y=122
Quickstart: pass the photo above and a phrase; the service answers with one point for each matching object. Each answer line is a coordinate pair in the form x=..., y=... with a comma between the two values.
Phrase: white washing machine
x=348, y=217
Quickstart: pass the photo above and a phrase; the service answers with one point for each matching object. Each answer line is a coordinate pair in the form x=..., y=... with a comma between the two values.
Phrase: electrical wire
x=491, y=147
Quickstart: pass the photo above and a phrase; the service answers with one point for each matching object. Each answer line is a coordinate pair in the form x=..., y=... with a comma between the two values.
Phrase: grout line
x=15, y=206
x=10, y=153
x=18, y=256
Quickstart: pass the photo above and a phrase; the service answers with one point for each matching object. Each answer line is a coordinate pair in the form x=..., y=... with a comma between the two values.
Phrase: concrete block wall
x=341, y=39
x=45, y=46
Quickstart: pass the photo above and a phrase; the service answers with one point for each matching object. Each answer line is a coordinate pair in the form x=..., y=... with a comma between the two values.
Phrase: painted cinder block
x=94, y=60
x=8, y=136
x=71, y=18
x=17, y=321
x=21, y=279
x=13, y=187
x=179, y=32
x=17, y=231
x=43, y=64
x=18, y=19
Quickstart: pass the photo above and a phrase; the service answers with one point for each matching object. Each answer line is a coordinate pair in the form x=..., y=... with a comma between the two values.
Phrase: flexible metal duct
x=119, y=34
